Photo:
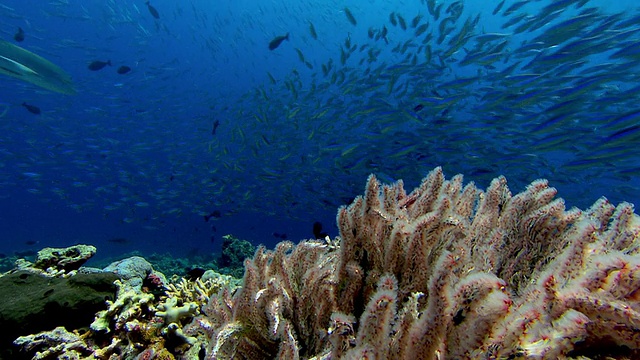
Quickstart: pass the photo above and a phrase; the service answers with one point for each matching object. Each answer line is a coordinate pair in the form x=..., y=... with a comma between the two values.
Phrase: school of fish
x=528, y=89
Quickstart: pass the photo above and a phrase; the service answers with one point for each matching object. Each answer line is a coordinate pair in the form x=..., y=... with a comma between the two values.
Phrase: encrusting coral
x=443, y=272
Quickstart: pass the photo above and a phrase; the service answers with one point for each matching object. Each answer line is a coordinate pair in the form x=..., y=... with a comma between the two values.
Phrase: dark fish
x=32, y=108
x=123, y=69
x=312, y=30
x=19, y=36
x=392, y=19
x=418, y=107
x=498, y=7
x=153, y=11
x=22, y=254
x=317, y=231
x=383, y=34
x=31, y=242
x=214, y=214
x=98, y=65
x=277, y=41
x=215, y=127
x=459, y=317
x=195, y=273
x=280, y=236
x=402, y=22
x=350, y=17
x=118, y=240
x=348, y=200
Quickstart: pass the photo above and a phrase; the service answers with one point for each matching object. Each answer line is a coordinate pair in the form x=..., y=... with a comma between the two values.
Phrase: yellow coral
x=172, y=313
x=198, y=291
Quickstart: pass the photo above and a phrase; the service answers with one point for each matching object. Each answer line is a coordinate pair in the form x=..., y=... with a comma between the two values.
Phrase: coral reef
x=443, y=272
x=234, y=252
x=52, y=291
x=200, y=290
x=32, y=302
x=53, y=343
x=145, y=320
x=129, y=305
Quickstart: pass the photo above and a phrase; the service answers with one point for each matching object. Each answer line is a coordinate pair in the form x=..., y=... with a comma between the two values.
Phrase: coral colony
x=445, y=272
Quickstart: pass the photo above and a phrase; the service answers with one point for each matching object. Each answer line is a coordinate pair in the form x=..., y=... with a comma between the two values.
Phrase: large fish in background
x=27, y=66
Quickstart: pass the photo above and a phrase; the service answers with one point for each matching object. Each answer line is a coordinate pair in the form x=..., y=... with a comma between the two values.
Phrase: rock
x=31, y=303
x=133, y=271
x=128, y=268
x=64, y=259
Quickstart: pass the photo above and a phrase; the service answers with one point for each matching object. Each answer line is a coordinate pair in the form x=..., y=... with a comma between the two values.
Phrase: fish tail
x=287, y=36
x=109, y=62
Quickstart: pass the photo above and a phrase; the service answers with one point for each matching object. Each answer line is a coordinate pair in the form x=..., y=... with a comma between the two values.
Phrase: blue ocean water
x=210, y=123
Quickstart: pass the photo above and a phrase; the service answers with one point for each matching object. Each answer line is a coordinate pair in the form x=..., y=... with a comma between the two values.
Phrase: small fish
x=215, y=127
x=123, y=69
x=277, y=41
x=279, y=236
x=401, y=22
x=498, y=7
x=418, y=107
x=214, y=214
x=392, y=19
x=118, y=240
x=98, y=65
x=31, y=242
x=416, y=21
x=153, y=11
x=383, y=34
x=32, y=108
x=312, y=30
x=23, y=254
x=317, y=231
x=19, y=36
x=195, y=273
x=350, y=16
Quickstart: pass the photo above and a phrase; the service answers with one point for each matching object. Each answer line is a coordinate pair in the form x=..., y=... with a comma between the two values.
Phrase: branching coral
x=173, y=313
x=129, y=304
x=198, y=290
